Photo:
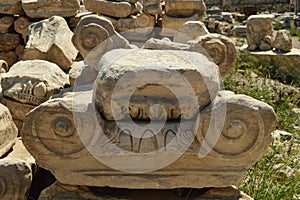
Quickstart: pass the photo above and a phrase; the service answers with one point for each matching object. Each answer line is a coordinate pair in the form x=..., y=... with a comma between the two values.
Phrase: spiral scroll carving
x=220, y=48
x=56, y=131
x=90, y=32
x=246, y=129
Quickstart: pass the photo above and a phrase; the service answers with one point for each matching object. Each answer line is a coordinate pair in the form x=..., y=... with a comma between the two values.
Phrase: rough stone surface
x=11, y=7
x=49, y=8
x=239, y=31
x=94, y=36
x=201, y=74
x=190, y=31
x=16, y=171
x=187, y=8
x=21, y=26
x=172, y=24
x=113, y=8
x=33, y=82
x=8, y=41
x=135, y=27
x=9, y=56
x=81, y=74
x=283, y=41
x=6, y=23
x=260, y=32
x=8, y=130
x=221, y=50
x=54, y=125
x=50, y=40
x=29, y=83
x=165, y=44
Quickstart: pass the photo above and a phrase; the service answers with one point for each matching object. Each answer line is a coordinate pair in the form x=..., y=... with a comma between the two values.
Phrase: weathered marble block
x=49, y=8
x=28, y=84
x=221, y=50
x=139, y=65
x=94, y=36
x=217, y=48
x=260, y=32
x=11, y=7
x=8, y=130
x=50, y=40
x=187, y=8
x=82, y=74
x=283, y=41
x=190, y=30
x=113, y=8
x=172, y=24
x=56, y=138
x=16, y=172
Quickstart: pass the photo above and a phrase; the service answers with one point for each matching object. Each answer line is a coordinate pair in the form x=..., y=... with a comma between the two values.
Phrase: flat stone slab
x=286, y=64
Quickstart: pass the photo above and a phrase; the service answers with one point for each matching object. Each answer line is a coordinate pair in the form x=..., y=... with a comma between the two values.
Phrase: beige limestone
x=18, y=110
x=52, y=134
x=8, y=41
x=187, y=8
x=49, y=8
x=190, y=30
x=154, y=9
x=29, y=83
x=260, y=32
x=21, y=26
x=172, y=24
x=135, y=27
x=50, y=40
x=81, y=74
x=8, y=130
x=16, y=172
x=113, y=8
x=6, y=23
x=221, y=50
x=202, y=76
x=165, y=44
x=247, y=128
x=283, y=41
x=11, y=7
x=33, y=82
x=94, y=36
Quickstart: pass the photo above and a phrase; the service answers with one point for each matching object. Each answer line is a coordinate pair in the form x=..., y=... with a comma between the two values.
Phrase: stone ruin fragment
x=260, y=35
x=81, y=130
x=50, y=40
x=86, y=137
x=260, y=32
x=28, y=84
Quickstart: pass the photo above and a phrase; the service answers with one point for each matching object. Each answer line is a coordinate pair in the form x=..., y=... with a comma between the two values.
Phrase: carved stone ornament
x=50, y=40
x=209, y=148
